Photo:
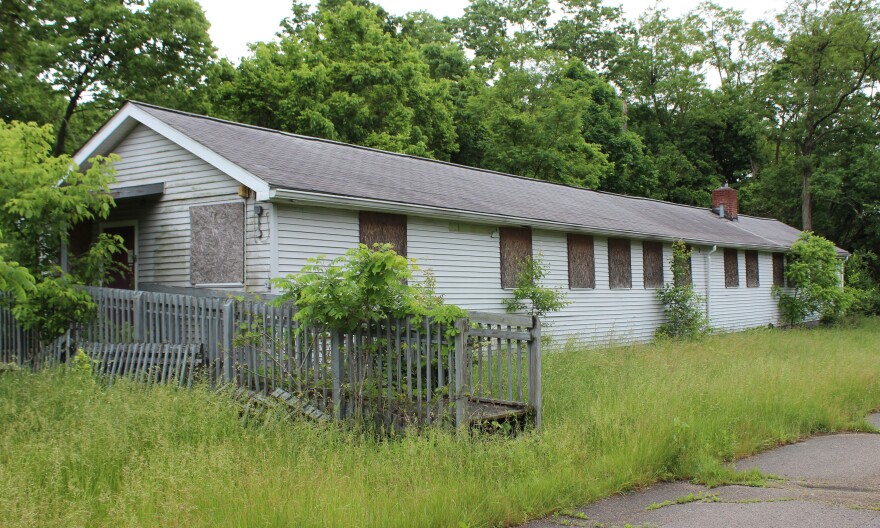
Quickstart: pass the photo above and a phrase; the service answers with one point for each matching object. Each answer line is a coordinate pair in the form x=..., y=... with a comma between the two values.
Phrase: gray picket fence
x=407, y=370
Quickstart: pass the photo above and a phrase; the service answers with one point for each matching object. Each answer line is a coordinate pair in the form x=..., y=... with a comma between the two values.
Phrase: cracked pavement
x=830, y=480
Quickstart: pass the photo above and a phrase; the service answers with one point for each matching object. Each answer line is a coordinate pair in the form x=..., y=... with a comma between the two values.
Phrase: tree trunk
x=62, y=128
x=806, y=177
x=806, y=198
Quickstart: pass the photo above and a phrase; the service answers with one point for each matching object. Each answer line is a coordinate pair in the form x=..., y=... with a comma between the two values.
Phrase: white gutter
x=709, y=280
x=351, y=202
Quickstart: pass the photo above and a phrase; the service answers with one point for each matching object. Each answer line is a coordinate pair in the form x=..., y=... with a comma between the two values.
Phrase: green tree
x=342, y=73
x=530, y=294
x=92, y=54
x=591, y=32
x=817, y=278
x=533, y=125
x=828, y=64
x=504, y=32
x=861, y=283
x=41, y=199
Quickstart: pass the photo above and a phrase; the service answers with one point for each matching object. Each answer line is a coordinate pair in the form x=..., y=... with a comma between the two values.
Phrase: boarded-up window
x=516, y=247
x=217, y=244
x=383, y=228
x=652, y=260
x=752, y=278
x=619, y=264
x=779, y=269
x=731, y=268
x=581, y=262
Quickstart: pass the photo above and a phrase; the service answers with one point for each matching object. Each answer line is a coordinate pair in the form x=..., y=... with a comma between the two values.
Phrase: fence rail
x=405, y=370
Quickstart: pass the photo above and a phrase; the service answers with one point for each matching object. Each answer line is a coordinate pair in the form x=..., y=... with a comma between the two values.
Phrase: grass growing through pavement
x=73, y=453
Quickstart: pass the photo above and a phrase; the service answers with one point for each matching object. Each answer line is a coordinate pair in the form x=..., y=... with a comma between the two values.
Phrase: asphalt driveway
x=831, y=480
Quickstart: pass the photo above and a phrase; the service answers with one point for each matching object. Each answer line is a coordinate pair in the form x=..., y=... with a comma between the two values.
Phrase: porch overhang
x=150, y=190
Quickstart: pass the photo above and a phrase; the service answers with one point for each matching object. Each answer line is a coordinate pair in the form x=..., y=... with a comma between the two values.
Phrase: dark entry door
x=125, y=279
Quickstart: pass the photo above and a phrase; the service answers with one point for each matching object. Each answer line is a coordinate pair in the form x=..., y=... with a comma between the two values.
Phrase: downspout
x=709, y=280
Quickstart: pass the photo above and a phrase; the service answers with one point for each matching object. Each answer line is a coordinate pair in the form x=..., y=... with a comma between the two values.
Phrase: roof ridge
x=411, y=156
x=764, y=218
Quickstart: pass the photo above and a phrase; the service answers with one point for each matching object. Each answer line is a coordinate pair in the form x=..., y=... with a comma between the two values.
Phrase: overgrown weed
x=76, y=453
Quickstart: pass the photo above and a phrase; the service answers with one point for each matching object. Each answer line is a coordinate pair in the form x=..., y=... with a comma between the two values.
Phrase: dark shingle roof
x=300, y=163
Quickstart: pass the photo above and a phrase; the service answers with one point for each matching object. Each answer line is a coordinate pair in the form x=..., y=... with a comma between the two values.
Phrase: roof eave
x=279, y=195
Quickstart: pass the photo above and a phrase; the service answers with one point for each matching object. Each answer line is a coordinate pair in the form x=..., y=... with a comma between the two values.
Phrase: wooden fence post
x=535, y=370
x=138, y=316
x=337, y=371
x=461, y=377
x=228, y=334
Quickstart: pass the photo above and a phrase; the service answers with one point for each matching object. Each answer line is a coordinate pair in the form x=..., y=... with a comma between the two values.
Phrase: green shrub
x=861, y=285
x=815, y=273
x=362, y=287
x=358, y=292
x=36, y=217
x=682, y=306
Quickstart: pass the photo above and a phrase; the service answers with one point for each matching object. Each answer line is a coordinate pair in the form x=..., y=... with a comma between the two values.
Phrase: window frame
x=585, y=261
x=620, y=243
x=753, y=269
x=655, y=247
x=374, y=218
x=731, y=268
x=510, y=270
x=779, y=269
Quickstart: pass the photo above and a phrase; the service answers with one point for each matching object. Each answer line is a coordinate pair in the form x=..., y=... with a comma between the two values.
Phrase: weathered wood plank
x=499, y=318
x=500, y=333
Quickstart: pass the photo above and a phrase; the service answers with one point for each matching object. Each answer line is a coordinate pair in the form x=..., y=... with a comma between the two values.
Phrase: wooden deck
x=485, y=410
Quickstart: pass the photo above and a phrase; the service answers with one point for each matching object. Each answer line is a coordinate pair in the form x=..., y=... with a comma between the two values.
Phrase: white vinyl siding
x=465, y=261
x=742, y=307
x=163, y=225
x=600, y=315
x=307, y=232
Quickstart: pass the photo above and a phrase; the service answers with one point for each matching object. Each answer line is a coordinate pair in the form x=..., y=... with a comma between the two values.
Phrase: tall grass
x=73, y=453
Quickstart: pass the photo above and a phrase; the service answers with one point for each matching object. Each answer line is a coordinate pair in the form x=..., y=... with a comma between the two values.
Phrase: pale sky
x=234, y=24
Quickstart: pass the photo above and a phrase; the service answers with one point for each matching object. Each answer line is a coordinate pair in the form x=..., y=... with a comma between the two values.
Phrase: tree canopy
x=785, y=109
x=41, y=198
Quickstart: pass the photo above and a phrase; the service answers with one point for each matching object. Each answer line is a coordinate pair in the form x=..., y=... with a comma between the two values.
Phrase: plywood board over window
x=217, y=244
x=731, y=268
x=652, y=260
x=779, y=269
x=752, y=278
x=516, y=245
x=383, y=228
x=619, y=263
x=581, y=261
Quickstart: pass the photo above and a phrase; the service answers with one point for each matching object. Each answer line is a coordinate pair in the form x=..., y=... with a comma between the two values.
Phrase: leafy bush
x=861, y=285
x=364, y=286
x=36, y=216
x=357, y=292
x=530, y=295
x=682, y=306
x=815, y=273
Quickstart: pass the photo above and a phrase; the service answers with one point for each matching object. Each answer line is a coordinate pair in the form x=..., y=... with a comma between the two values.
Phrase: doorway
x=126, y=279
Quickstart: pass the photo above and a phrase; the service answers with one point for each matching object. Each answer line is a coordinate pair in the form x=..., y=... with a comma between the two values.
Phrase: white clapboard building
x=207, y=203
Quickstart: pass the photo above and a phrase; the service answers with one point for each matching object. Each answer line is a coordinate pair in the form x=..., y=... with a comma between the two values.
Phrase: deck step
x=298, y=405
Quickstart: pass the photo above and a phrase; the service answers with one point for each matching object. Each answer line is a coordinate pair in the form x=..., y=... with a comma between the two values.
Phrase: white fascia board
x=351, y=202
x=130, y=115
